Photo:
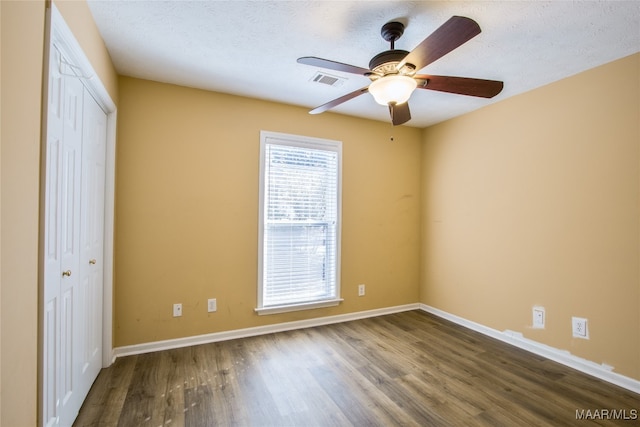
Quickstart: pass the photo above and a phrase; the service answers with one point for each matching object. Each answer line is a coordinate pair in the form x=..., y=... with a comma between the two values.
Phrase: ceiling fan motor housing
x=385, y=63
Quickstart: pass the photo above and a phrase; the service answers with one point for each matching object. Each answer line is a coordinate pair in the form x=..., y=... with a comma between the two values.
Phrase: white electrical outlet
x=580, y=328
x=177, y=310
x=212, y=305
x=538, y=317
x=361, y=290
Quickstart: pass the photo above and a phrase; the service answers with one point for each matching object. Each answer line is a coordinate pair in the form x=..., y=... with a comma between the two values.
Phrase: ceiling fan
x=393, y=72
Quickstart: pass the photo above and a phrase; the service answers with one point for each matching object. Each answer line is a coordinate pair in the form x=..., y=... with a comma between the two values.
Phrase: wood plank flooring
x=405, y=369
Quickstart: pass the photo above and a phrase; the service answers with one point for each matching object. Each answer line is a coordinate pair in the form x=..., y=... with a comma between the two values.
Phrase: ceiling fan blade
x=338, y=101
x=461, y=85
x=450, y=35
x=399, y=113
x=333, y=65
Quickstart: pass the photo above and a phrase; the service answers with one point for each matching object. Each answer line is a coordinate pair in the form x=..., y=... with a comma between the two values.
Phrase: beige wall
x=22, y=50
x=187, y=210
x=23, y=24
x=535, y=201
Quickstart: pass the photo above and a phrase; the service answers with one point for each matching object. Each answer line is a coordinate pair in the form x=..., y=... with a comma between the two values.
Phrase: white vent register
x=328, y=79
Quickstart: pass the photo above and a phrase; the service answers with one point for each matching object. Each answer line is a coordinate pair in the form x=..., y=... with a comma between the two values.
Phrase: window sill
x=297, y=307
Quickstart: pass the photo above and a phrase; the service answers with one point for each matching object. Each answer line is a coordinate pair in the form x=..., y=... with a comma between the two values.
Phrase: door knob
x=66, y=273
x=92, y=261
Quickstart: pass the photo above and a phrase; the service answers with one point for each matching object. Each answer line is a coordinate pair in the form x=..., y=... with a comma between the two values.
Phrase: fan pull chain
x=391, y=113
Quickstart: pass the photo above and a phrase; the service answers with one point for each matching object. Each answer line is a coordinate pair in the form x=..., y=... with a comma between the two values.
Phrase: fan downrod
x=392, y=31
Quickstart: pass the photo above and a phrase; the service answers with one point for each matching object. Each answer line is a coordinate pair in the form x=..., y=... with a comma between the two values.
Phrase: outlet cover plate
x=538, y=317
x=580, y=327
x=177, y=310
x=212, y=305
x=361, y=290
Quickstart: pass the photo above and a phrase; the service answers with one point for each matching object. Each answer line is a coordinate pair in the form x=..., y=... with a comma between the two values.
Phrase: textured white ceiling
x=249, y=48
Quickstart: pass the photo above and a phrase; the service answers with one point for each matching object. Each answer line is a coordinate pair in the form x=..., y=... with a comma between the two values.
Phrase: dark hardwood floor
x=409, y=368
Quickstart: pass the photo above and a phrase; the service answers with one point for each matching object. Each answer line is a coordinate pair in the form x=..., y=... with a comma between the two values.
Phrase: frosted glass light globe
x=392, y=89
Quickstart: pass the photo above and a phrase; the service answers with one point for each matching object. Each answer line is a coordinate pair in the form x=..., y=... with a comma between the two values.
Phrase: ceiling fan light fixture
x=394, y=89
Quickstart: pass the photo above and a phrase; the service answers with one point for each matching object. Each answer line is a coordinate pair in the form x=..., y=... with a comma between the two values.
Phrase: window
x=299, y=248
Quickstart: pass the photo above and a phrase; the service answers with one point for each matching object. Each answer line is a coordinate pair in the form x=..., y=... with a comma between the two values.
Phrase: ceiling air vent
x=328, y=79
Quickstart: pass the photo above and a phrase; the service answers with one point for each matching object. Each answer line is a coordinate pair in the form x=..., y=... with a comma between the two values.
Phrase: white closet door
x=73, y=226
x=92, y=241
x=62, y=213
x=52, y=261
x=71, y=168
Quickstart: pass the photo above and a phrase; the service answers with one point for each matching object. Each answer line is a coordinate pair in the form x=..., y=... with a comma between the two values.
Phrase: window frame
x=276, y=138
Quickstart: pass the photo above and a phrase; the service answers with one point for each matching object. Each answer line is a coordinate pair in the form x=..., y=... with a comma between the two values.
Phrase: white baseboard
x=258, y=330
x=603, y=372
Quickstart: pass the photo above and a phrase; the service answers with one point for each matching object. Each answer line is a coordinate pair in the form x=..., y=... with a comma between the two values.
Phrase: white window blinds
x=299, y=215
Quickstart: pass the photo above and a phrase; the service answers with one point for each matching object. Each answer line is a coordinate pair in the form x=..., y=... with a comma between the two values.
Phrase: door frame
x=59, y=35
